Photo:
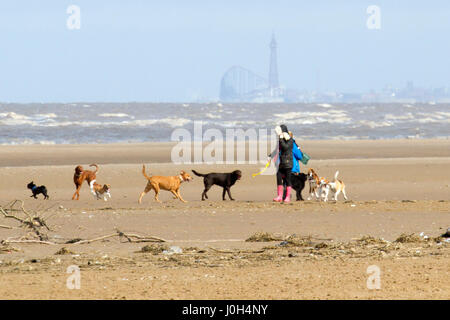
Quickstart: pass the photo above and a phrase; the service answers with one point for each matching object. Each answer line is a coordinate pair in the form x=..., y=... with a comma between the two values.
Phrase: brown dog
x=172, y=184
x=82, y=175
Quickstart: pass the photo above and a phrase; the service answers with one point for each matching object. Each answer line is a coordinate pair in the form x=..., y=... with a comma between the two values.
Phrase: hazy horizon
x=178, y=51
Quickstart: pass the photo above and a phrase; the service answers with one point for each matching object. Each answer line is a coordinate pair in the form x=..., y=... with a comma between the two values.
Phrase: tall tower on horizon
x=273, y=68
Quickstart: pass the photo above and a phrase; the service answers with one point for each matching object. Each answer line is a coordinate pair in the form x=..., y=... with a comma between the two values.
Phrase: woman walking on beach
x=285, y=164
x=297, y=155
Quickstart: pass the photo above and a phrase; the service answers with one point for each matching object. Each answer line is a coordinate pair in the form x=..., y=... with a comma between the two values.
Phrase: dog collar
x=33, y=188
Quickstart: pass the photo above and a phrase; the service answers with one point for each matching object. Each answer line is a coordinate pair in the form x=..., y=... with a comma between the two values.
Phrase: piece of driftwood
x=8, y=241
x=236, y=251
x=32, y=221
x=36, y=225
x=131, y=237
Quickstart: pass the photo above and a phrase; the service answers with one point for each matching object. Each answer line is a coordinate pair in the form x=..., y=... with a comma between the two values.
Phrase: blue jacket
x=296, y=155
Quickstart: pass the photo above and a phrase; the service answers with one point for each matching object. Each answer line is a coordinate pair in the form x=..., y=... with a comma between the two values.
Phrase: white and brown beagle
x=337, y=186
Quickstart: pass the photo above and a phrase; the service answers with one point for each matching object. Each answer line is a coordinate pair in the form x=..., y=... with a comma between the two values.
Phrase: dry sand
x=396, y=187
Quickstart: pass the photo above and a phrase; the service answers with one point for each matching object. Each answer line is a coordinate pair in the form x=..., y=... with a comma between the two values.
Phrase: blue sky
x=178, y=50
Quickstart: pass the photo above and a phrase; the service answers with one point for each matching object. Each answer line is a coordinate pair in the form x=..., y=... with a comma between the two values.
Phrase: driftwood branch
x=131, y=237
x=236, y=251
x=33, y=221
x=36, y=223
x=7, y=241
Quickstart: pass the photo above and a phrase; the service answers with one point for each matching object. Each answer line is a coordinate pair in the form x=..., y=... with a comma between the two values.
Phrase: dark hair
x=284, y=128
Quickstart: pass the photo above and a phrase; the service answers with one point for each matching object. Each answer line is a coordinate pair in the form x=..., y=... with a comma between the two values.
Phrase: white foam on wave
x=48, y=120
x=374, y=124
x=213, y=116
x=115, y=115
x=16, y=119
x=173, y=122
x=433, y=117
x=28, y=142
x=237, y=124
x=325, y=105
x=432, y=120
x=331, y=116
x=13, y=115
x=408, y=116
x=420, y=117
x=46, y=115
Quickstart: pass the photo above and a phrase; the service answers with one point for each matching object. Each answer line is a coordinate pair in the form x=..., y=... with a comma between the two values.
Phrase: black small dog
x=298, y=183
x=37, y=190
x=225, y=180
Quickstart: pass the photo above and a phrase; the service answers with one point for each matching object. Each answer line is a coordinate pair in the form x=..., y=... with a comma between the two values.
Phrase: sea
x=76, y=123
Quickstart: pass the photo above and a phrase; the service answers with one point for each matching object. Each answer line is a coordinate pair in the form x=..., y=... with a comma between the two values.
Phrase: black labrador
x=37, y=190
x=298, y=184
x=224, y=180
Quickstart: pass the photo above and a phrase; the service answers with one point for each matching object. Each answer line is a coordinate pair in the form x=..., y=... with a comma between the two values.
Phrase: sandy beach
x=395, y=187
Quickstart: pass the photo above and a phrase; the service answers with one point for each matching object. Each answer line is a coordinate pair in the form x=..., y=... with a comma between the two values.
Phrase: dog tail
x=336, y=175
x=198, y=174
x=144, y=173
x=96, y=167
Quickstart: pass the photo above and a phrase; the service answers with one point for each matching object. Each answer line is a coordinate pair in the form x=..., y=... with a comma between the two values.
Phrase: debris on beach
x=299, y=241
x=153, y=248
x=286, y=240
x=367, y=240
x=408, y=238
x=264, y=237
x=5, y=248
x=64, y=251
x=413, y=238
x=172, y=250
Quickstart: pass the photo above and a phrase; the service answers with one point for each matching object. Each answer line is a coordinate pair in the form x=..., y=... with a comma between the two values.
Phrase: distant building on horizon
x=239, y=84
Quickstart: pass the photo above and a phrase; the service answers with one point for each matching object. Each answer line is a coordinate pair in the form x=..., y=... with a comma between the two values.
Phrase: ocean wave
x=433, y=117
x=13, y=115
x=16, y=119
x=13, y=119
x=310, y=118
x=325, y=105
x=115, y=115
x=236, y=124
x=408, y=116
x=27, y=142
x=109, y=122
x=373, y=124
x=213, y=116
x=46, y=115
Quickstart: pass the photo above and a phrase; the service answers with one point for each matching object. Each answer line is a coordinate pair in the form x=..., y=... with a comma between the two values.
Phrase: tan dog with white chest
x=171, y=183
x=337, y=186
x=82, y=175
